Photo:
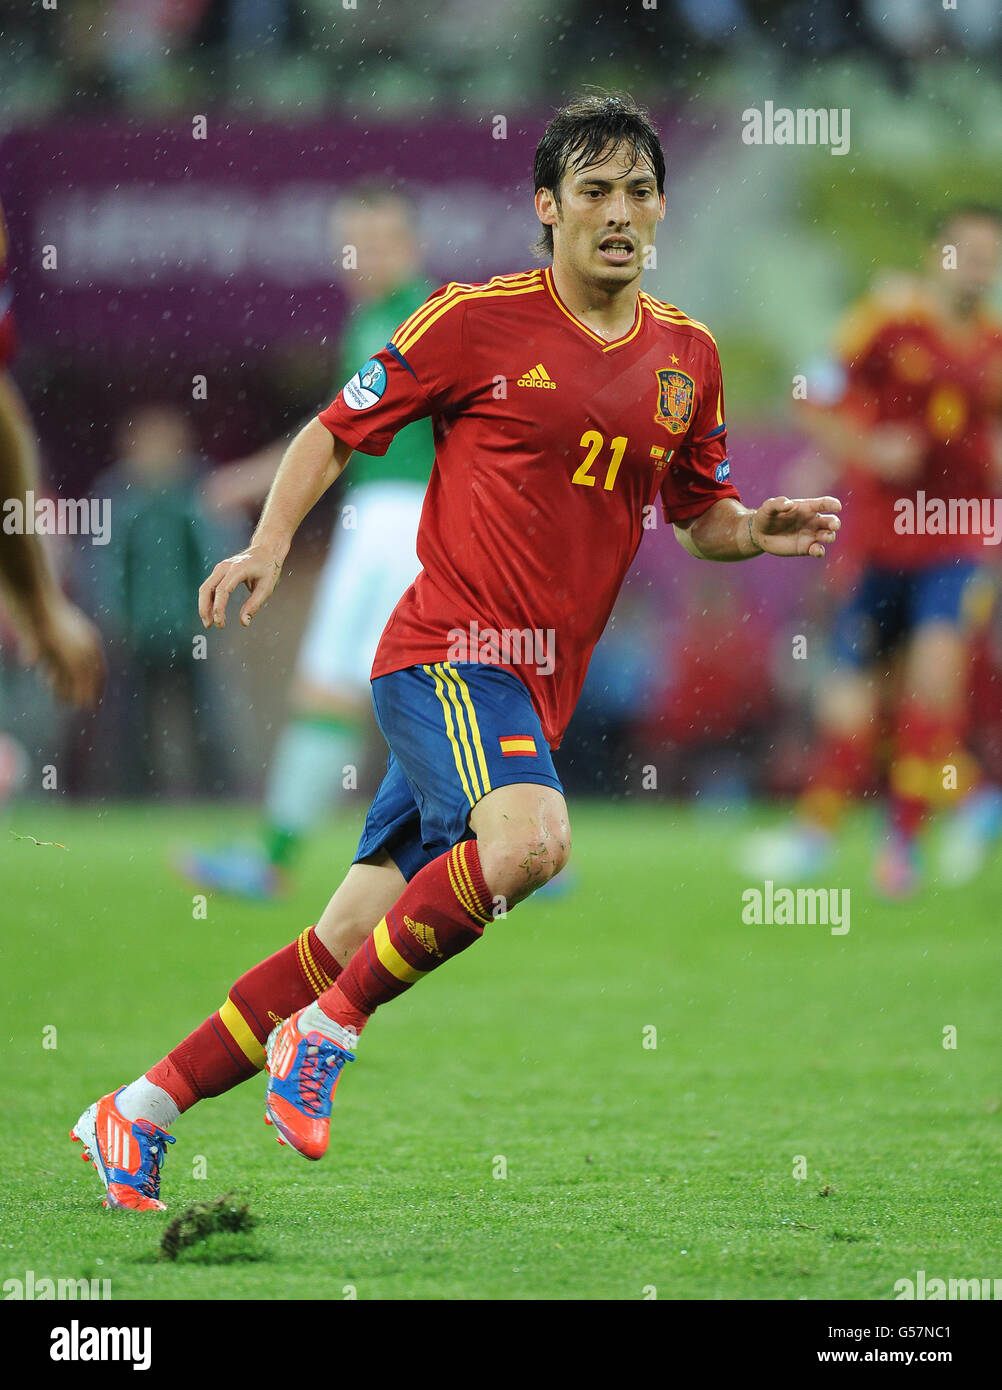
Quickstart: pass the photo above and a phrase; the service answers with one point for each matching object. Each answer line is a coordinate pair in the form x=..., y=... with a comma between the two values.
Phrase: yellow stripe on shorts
x=464, y=689
x=471, y=767
x=457, y=752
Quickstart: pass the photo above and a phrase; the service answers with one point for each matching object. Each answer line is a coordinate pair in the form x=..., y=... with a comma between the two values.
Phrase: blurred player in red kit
x=566, y=404
x=913, y=426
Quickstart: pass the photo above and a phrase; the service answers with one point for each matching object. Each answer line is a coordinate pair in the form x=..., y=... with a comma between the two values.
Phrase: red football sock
x=442, y=910
x=844, y=769
x=930, y=766
x=229, y=1046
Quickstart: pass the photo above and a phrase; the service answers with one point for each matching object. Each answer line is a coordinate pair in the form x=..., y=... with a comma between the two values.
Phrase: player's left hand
x=796, y=526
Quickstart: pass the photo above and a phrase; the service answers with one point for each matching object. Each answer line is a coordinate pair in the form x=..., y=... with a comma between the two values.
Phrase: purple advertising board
x=130, y=234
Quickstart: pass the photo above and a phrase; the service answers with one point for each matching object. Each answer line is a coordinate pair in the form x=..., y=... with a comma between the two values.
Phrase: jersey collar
x=604, y=343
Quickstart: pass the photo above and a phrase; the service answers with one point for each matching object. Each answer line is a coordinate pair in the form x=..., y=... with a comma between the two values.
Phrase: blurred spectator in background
x=161, y=727
x=714, y=715
x=371, y=562
x=139, y=37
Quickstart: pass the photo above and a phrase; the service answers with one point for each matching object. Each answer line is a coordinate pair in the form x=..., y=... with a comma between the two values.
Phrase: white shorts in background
x=368, y=569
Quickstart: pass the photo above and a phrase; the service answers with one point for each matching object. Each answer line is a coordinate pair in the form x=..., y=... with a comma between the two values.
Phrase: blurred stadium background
x=181, y=257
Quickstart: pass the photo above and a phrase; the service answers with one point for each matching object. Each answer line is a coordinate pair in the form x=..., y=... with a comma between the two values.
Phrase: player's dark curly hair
x=582, y=133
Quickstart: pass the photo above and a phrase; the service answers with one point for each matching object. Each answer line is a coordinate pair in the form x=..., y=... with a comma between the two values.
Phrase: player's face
x=158, y=443
x=979, y=254
x=385, y=250
x=606, y=220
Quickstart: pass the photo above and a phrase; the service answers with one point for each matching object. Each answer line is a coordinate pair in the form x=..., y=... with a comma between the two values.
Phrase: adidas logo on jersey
x=538, y=376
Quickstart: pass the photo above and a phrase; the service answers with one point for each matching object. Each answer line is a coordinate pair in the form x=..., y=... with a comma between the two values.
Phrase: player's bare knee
x=514, y=867
x=343, y=935
x=367, y=893
x=341, y=926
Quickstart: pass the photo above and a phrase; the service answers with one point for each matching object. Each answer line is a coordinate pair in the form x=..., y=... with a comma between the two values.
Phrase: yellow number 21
x=593, y=442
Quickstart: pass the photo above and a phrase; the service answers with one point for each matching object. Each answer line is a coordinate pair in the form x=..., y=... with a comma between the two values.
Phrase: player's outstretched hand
x=256, y=567
x=67, y=646
x=796, y=526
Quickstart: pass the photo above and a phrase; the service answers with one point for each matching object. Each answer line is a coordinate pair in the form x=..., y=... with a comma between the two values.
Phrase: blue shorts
x=889, y=605
x=456, y=731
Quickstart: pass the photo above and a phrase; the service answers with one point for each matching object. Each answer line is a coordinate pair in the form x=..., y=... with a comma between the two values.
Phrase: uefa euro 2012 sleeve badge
x=676, y=393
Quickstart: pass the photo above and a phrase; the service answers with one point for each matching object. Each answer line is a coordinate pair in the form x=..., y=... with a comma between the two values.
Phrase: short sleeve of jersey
x=421, y=371
x=699, y=471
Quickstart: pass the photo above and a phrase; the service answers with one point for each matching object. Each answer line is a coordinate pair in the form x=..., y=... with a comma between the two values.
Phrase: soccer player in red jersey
x=913, y=428
x=55, y=633
x=565, y=402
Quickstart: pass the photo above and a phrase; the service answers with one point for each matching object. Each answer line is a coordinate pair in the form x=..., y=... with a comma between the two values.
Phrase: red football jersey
x=906, y=365
x=550, y=442
x=7, y=334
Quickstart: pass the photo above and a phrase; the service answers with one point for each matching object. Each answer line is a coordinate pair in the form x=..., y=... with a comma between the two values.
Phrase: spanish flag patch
x=518, y=746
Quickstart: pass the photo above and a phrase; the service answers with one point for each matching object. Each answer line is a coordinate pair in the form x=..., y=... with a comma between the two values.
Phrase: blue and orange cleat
x=787, y=854
x=237, y=871
x=970, y=836
x=127, y=1154
x=304, y=1069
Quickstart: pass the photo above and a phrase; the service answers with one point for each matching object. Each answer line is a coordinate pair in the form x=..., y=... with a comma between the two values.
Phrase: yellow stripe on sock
x=463, y=868
x=458, y=887
x=318, y=977
x=390, y=958
x=233, y=1021
x=304, y=965
x=909, y=777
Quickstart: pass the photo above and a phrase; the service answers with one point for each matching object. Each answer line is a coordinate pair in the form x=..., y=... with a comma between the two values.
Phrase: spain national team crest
x=676, y=393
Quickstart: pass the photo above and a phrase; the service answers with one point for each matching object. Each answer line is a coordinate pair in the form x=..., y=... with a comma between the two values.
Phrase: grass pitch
x=506, y=1133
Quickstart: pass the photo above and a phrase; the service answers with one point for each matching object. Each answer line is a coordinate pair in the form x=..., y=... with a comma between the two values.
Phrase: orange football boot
x=127, y=1154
